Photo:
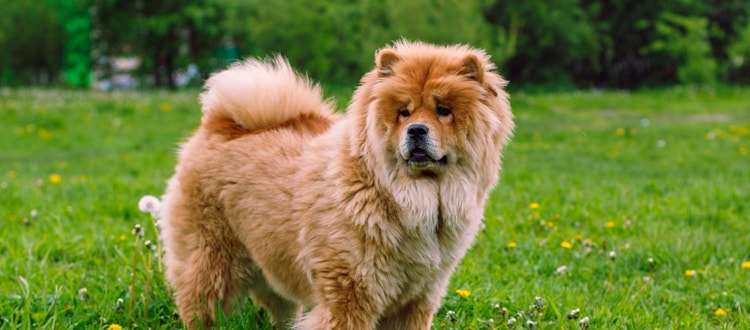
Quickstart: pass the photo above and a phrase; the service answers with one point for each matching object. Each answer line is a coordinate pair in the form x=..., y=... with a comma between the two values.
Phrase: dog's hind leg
x=213, y=279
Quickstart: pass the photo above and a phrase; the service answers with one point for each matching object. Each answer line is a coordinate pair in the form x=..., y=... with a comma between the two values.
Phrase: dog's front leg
x=416, y=314
x=322, y=317
x=343, y=301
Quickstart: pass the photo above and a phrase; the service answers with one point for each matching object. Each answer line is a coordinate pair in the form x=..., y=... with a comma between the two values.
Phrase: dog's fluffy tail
x=257, y=94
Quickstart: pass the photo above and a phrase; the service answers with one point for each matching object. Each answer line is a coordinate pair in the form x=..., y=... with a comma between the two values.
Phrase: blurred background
x=110, y=44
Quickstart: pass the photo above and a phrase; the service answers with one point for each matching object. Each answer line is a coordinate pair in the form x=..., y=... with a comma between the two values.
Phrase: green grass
x=655, y=174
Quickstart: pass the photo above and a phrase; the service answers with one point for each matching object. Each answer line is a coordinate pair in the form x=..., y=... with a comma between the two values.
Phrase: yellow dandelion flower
x=55, y=178
x=566, y=245
x=620, y=131
x=511, y=245
x=166, y=107
x=690, y=272
x=746, y=265
x=743, y=150
x=114, y=327
x=534, y=206
x=609, y=224
x=123, y=237
x=12, y=174
x=579, y=237
x=463, y=293
x=721, y=312
x=44, y=134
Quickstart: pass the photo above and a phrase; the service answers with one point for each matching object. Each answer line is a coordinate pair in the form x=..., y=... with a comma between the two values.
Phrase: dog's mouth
x=420, y=158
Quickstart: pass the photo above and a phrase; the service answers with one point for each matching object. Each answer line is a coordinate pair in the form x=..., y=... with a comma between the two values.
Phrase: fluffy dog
x=361, y=217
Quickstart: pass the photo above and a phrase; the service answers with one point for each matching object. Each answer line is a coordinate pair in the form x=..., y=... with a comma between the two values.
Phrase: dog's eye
x=404, y=113
x=442, y=111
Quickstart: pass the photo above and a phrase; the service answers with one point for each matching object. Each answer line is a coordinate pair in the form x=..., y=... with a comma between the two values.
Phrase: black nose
x=417, y=131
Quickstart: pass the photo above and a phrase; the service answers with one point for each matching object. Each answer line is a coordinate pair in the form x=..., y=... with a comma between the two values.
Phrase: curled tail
x=257, y=94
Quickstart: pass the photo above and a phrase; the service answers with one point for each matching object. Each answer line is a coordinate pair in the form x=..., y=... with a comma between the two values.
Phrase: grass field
x=632, y=208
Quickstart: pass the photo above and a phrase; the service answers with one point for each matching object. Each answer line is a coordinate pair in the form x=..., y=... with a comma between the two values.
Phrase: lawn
x=631, y=208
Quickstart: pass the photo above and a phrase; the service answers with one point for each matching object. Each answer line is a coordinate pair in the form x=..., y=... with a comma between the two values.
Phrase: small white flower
x=574, y=314
x=612, y=255
x=538, y=303
x=150, y=204
x=561, y=270
x=645, y=122
x=137, y=230
x=34, y=214
x=83, y=294
x=584, y=322
x=661, y=144
x=511, y=321
x=531, y=324
x=650, y=260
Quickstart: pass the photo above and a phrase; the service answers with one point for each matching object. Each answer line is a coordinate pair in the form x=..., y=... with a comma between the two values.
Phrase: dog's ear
x=473, y=68
x=384, y=61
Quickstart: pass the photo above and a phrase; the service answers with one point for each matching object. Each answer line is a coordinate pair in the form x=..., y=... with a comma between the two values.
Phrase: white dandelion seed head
x=120, y=301
x=34, y=214
x=511, y=321
x=661, y=144
x=561, y=270
x=149, y=204
x=531, y=323
x=612, y=255
x=650, y=260
x=584, y=322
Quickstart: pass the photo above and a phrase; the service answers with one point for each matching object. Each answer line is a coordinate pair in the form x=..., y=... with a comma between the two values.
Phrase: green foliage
x=588, y=43
x=739, y=56
x=654, y=174
x=30, y=42
x=548, y=38
x=685, y=39
x=77, y=44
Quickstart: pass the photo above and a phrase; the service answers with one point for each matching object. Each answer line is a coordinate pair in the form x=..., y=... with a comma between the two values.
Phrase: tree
x=31, y=42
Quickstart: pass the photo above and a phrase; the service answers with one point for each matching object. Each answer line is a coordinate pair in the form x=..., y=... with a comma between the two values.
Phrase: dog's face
x=436, y=109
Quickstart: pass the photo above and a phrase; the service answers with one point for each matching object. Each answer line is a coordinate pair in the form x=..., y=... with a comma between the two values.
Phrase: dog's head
x=437, y=107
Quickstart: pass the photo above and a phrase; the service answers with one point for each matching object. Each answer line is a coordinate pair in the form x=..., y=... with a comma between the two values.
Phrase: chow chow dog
x=359, y=217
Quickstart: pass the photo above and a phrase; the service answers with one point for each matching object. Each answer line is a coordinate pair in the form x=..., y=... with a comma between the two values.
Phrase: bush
x=739, y=57
x=685, y=40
